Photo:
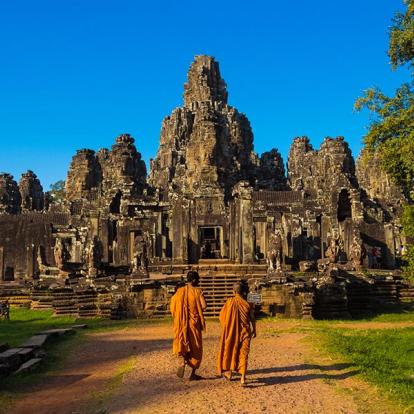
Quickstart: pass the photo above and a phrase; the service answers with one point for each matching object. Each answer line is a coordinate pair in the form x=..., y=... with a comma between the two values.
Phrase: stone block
x=28, y=366
x=25, y=354
x=79, y=326
x=57, y=332
x=11, y=358
x=4, y=346
x=36, y=341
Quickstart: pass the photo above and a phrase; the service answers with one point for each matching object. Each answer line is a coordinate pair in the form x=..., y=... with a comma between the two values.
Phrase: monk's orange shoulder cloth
x=235, y=335
x=187, y=306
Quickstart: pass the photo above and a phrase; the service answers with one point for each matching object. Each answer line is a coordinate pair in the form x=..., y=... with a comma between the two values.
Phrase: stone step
x=4, y=346
x=11, y=358
x=25, y=354
x=36, y=341
x=57, y=332
x=79, y=326
x=28, y=366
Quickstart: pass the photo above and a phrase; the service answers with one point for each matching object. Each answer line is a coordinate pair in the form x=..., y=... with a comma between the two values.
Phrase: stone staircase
x=370, y=296
x=406, y=293
x=17, y=294
x=217, y=278
x=65, y=302
x=217, y=289
x=42, y=299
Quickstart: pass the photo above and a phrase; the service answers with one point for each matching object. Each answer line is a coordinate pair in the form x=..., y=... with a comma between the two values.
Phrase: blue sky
x=75, y=74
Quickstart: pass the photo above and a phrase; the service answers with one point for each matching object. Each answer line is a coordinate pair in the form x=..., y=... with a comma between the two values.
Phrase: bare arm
x=172, y=305
x=203, y=301
x=253, y=321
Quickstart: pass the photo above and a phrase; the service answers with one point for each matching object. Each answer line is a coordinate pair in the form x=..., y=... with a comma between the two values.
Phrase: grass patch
x=26, y=322
x=101, y=397
x=384, y=357
x=403, y=316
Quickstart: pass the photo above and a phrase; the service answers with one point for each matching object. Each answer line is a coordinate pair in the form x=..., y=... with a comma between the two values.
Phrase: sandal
x=195, y=377
x=227, y=377
x=180, y=371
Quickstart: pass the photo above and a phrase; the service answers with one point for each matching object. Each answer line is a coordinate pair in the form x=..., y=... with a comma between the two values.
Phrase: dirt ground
x=133, y=371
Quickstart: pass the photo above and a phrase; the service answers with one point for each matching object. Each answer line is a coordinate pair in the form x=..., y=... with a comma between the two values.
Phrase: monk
x=187, y=307
x=238, y=326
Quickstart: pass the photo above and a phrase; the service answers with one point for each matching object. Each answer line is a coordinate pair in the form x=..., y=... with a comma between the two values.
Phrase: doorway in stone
x=210, y=242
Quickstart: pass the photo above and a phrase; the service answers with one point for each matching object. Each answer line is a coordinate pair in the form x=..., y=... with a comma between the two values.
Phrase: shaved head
x=238, y=288
x=193, y=277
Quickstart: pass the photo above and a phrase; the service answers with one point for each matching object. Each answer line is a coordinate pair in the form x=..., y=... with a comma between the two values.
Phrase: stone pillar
x=176, y=226
x=104, y=237
x=388, y=257
x=194, y=248
x=244, y=193
x=185, y=211
x=325, y=229
x=30, y=261
x=1, y=263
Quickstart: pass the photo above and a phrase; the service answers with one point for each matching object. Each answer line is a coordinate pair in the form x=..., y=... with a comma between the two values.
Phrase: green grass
x=26, y=322
x=403, y=316
x=384, y=357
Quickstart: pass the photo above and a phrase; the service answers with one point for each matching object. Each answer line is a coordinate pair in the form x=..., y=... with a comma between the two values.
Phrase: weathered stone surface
x=31, y=192
x=271, y=172
x=123, y=169
x=84, y=175
x=204, y=82
x=57, y=332
x=11, y=358
x=36, y=341
x=28, y=366
x=79, y=326
x=206, y=144
x=9, y=195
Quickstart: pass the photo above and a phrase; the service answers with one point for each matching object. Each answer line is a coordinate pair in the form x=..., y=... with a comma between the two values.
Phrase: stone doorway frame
x=217, y=238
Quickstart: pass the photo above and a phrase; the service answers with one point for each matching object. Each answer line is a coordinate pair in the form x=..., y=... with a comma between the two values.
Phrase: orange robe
x=187, y=307
x=235, y=335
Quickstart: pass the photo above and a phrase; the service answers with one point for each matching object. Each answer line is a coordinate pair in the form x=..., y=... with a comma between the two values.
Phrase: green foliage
x=57, y=190
x=401, y=48
x=391, y=133
x=384, y=357
x=407, y=221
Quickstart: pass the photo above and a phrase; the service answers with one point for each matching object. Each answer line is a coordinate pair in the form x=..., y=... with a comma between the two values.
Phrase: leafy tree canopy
x=57, y=190
x=391, y=133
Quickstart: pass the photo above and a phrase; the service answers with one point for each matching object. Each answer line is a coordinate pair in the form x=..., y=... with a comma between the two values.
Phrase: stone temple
x=122, y=239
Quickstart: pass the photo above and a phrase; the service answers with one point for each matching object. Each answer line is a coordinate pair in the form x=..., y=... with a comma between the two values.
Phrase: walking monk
x=238, y=326
x=187, y=307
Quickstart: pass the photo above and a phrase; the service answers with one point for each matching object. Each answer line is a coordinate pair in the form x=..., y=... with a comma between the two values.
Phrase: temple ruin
x=121, y=240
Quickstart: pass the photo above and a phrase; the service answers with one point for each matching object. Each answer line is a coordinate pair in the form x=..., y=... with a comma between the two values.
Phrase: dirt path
x=284, y=378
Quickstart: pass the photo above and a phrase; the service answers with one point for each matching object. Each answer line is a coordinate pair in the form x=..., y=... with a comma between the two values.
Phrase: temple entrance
x=210, y=242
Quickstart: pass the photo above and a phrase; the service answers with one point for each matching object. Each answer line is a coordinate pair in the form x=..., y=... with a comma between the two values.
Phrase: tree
x=391, y=132
x=57, y=190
